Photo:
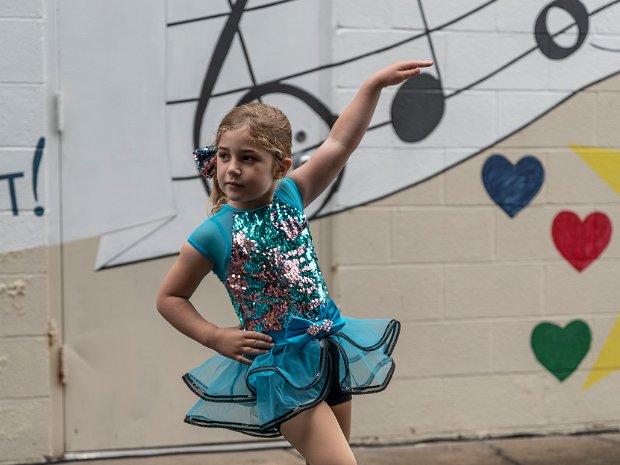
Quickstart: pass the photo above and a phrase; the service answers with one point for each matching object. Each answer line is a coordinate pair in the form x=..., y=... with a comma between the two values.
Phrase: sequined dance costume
x=266, y=260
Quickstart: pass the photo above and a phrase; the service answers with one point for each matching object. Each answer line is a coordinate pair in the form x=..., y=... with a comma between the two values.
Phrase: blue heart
x=512, y=187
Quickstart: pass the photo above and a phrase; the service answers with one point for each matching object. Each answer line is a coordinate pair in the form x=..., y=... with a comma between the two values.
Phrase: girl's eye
x=222, y=155
x=249, y=158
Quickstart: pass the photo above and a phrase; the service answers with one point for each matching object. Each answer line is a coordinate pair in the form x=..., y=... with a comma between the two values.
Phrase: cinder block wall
x=470, y=284
x=24, y=347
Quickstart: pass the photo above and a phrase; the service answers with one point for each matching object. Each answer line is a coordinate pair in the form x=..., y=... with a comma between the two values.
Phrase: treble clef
x=220, y=52
x=215, y=65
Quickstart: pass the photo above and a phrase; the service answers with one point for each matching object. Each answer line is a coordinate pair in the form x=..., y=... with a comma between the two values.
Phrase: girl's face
x=245, y=171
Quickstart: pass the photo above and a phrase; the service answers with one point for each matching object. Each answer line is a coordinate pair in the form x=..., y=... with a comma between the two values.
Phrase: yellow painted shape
x=608, y=359
x=603, y=161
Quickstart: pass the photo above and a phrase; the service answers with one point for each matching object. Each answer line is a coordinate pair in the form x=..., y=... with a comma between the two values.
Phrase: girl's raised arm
x=316, y=174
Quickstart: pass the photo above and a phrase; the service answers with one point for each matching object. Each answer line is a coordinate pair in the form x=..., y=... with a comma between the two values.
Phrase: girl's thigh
x=318, y=437
x=342, y=412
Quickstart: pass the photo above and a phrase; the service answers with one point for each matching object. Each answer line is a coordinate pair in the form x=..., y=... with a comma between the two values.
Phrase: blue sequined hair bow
x=206, y=159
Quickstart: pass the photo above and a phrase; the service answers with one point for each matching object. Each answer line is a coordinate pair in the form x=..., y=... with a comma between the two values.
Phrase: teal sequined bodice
x=266, y=260
x=274, y=273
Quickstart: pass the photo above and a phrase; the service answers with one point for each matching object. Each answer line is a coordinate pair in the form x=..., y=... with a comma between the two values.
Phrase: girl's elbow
x=160, y=303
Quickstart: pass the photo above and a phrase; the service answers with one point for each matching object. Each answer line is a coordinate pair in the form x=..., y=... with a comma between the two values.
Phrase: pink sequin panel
x=274, y=272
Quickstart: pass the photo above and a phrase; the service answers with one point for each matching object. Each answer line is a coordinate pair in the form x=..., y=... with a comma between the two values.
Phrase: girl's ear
x=282, y=170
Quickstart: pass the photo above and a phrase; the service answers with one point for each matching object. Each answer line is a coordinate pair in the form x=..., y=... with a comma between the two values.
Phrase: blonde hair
x=269, y=128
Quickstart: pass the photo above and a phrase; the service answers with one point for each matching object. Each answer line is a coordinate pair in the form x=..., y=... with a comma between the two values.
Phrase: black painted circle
x=301, y=136
x=545, y=41
x=417, y=108
x=39, y=211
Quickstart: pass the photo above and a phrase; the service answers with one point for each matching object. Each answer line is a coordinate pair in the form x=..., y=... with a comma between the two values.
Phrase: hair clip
x=205, y=158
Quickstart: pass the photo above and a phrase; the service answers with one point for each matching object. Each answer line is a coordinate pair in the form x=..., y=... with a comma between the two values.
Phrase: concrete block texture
x=21, y=51
x=572, y=122
x=493, y=291
x=32, y=232
x=527, y=236
x=24, y=430
x=24, y=261
x=429, y=192
x=403, y=292
x=597, y=405
x=407, y=409
x=22, y=119
x=491, y=404
x=444, y=349
x=23, y=300
x=348, y=43
x=607, y=110
x=362, y=236
x=364, y=14
x=512, y=351
x=611, y=84
x=24, y=366
x=21, y=9
x=594, y=290
x=570, y=182
x=421, y=235
x=493, y=49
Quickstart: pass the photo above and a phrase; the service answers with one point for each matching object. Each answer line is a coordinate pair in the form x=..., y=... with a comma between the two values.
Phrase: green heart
x=561, y=350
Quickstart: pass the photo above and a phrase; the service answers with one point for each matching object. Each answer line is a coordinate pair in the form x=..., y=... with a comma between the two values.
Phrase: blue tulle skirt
x=296, y=374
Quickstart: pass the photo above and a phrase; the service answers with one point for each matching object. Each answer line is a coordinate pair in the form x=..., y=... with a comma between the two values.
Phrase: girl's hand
x=399, y=72
x=235, y=343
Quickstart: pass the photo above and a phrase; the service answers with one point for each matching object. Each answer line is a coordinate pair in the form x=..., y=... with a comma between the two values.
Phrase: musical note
x=429, y=124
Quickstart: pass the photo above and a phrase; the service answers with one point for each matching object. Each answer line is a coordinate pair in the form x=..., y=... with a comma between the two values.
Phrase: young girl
x=293, y=362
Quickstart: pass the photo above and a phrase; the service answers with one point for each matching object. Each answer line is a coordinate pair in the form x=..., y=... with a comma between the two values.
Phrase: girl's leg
x=342, y=412
x=343, y=415
x=318, y=437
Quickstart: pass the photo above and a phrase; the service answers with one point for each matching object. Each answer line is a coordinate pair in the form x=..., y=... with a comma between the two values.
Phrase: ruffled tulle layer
x=293, y=376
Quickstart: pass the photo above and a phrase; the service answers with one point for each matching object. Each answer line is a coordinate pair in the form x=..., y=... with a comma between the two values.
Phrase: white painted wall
x=25, y=402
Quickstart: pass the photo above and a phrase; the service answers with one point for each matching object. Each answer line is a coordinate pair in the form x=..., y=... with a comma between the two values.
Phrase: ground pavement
x=590, y=449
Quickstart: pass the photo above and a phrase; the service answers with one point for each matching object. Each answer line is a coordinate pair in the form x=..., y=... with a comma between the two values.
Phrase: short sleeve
x=209, y=239
x=287, y=190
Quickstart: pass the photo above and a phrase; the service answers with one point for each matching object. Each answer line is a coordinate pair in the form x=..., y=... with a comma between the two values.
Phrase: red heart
x=581, y=243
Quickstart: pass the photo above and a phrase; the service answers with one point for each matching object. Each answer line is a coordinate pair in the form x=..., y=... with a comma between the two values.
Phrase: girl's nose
x=233, y=168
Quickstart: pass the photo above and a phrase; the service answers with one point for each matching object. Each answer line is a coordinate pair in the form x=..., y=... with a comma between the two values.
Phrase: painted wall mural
x=13, y=178
x=561, y=350
x=512, y=187
x=525, y=59
x=581, y=242
x=479, y=92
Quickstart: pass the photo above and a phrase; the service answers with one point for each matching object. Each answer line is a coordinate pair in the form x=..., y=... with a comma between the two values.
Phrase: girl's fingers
x=261, y=344
x=257, y=335
x=418, y=64
x=258, y=346
x=241, y=359
x=254, y=351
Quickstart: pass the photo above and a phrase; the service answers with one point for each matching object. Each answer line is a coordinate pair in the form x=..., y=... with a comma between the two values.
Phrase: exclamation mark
x=36, y=163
